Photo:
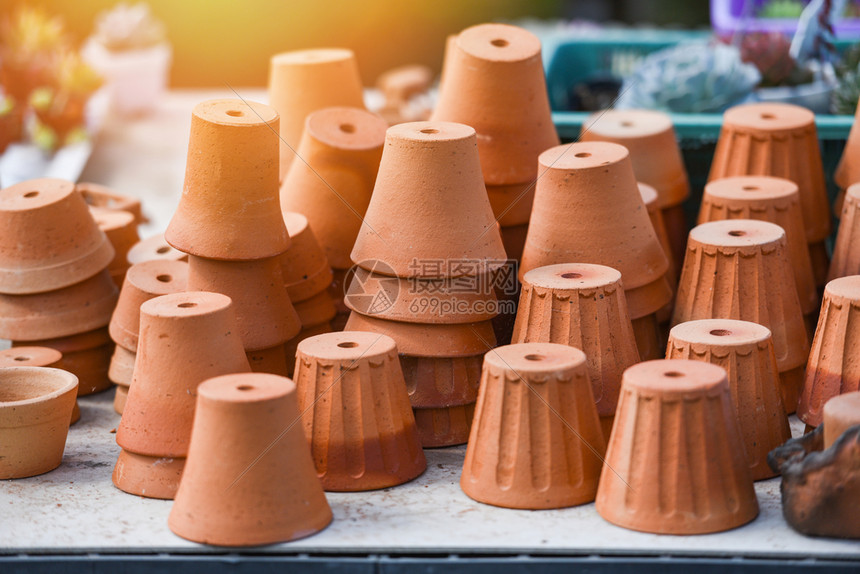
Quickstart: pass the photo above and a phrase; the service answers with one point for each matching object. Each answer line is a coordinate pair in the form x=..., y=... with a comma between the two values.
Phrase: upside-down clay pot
x=846, y=249
x=675, y=463
x=318, y=310
x=36, y=405
x=303, y=81
x=534, y=393
x=304, y=266
x=103, y=197
x=154, y=247
x=331, y=186
x=649, y=198
x=229, y=208
x=512, y=205
x=291, y=346
x=429, y=178
x=265, y=315
x=442, y=382
x=36, y=357
x=745, y=351
x=86, y=355
x=121, y=372
x=848, y=169
x=739, y=269
x=356, y=413
x=779, y=140
x=249, y=479
x=581, y=305
x=185, y=338
x=121, y=230
x=445, y=426
x=832, y=368
x=272, y=360
x=49, y=239
x=656, y=156
x=840, y=414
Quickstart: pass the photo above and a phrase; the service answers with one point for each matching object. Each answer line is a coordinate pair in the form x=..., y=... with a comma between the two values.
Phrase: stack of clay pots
x=425, y=257
x=230, y=223
x=154, y=247
x=121, y=230
x=331, y=185
x=55, y=289
x=103, y=197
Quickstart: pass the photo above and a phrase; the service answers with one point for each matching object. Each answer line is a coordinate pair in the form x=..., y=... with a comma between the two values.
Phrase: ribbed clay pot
x=675, y=462
x=656, y=156
x=249, y=479
x=36, y=405
x=86, y=355
x=36, y=357
x=229, y=208
x=303, y=81
x=832, y=369
x=265, y=315
x=304, y=266
x=185, y=338
x=846, y=249
x=442, y=382
x=103, y=197
x=356, y=413
x=445, y=426
x=779, y=140
x=745, y=351
x=49, y=239
x=429, y=178
x=272, y=360
x=740, y=269
x=154, y=247
x=341, y=149
x=121, y=230
x=121, y=372
x=534, y=394
x=583, y=306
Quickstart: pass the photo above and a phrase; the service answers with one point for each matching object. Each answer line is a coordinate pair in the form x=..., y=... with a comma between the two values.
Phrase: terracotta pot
x=656, y=156
x=121, y=230
x=143, y=282
x=424, y=340
x=832, y=369
x=846, y=249
x=356, y=413
x=101, y=196
x=341, y=149
x=337, y=290
x=446, y=426
x=534, y=393
x=272, y=360
x=120, y=398
x=229, y=208
x=583, y=306
x=745, y=351
x=291, y=346
x=148, y=476
x=649, y=198
x=36, y=406
x=675, y=462
x=441, y=382
x=265, y=316
x=304, y=265
x=766, y=199
x=232, y=495
x=739, y=269
x=68, y=311
x=154, y=247
x=49, y=239
x=512, y=204
x=514, y=240
x=318, y=310
x=121, y=370
x=491, y=69
x=430, y=178
x=303, y=81
x=840, y=414
x=36, y=357
x=611, y=228
x=402, y=83
x=847, y=172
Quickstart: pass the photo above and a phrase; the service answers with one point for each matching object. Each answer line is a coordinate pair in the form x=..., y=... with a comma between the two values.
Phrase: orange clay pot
x=229, y=208
x=148, y=476
x=514, y=240
x=649, y=198
x=675, y=462
x=739, y=269
x=143, y=282
x=766, y=199
x=121, y=230
x=232, y=495
x=318, y=310
x=36, y=357
x=356, y=413
x=36, y=405
x=154, y=247
x=846, y=250
x=446, y=426
x=840, y=414
x=68, y=311
x=304, y=81
x=341, y=149
x=304, y=265
x=745, y=351
x=430, y=178
x=490, y=70
x=583, y=306
x=291, y=346
x=512, y=204
x=534, y=393
x=49, y=239
x=264, y=314
x=103, y=197
x=848, y=170
x=656, y=156
x=272, y=360
x=832, y=369
x=442, y=382
x=120, y=398
x=121, y=372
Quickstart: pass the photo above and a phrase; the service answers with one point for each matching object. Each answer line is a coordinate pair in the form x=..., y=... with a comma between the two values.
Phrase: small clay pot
x=356, y=413
x=318, y=310
x=441, y=382
x=341, y=149
x=303, y=81
x=49, y=239
x=272, y=360
x=846, y=249
x=229, y=208
x=36, y=357
x=120, y=398
x=675, y=462
x=249, y=479
x=68, y=311
x=143, y=281
x=148, y=476
x=36, y=405
x=445, y=426
x=154, y=247
x=429, y=178
x=840, y=414
x=291, y=346
x=121, y=369
x=534, y=393
x=103, y=197
x=304, y=265
x=847, y=171
x=402, y=83
x=265, y=315
x=425, y=340
x=832, y=369
x=651, y=200
x=121, y=230
x=745, y=351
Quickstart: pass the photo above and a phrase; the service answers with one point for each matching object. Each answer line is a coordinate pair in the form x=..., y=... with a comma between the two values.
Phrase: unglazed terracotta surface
x=840, y=414
x=121, y=230
x=154, y=247
x=304, y=265
x=104, y=197
x=846, y=249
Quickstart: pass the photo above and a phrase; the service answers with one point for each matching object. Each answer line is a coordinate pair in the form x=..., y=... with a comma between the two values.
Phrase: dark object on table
x=595, y=94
